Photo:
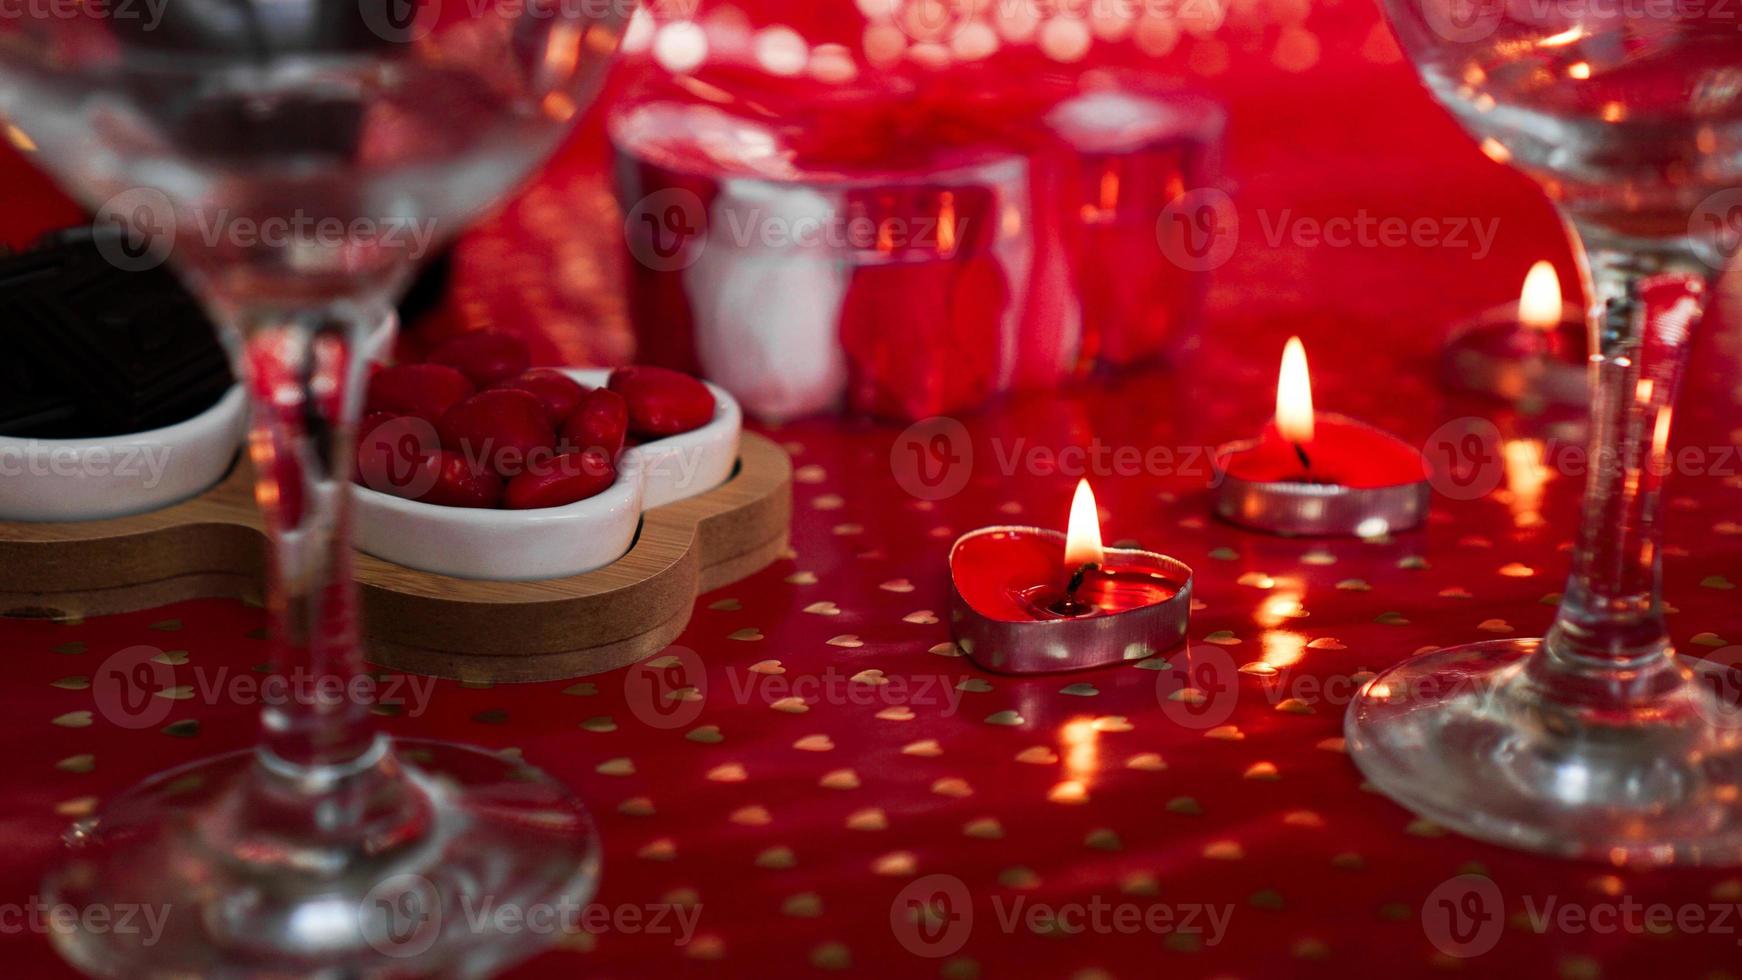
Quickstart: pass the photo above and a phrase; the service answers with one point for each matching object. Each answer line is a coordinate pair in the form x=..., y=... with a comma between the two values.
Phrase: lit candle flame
x=1083, y=538
x=1294, y=395
x=1539, y=305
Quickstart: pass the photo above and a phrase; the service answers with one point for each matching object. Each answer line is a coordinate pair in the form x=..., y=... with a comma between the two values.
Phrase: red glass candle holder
x=1124, y=155
x=1013, y=611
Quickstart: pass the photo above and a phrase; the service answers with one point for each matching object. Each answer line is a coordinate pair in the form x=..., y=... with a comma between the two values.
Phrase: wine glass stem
x=305, y=370
x=1646, y=303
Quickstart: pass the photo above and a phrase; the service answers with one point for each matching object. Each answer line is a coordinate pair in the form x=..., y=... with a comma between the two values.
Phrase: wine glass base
x=499, y=863
x=1463, y=737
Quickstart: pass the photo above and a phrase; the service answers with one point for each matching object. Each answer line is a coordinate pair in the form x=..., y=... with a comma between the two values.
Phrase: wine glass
x=294, y=159
x=1597, y=741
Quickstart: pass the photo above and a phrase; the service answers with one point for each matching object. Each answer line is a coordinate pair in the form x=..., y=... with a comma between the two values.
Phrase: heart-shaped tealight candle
x=1033, y=600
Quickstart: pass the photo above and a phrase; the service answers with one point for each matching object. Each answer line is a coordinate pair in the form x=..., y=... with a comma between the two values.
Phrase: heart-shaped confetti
x=1079, y=690
x=602, y=723
x=751, y=816
x=1146, y=762
x=620, y=766
x=839, y=779
x=726, y=605
x=922, y=617
x=663, y=849
x=791, y=706
x=807, y=905
x=900, y=712
x=731, y=772
x=869, y=819
x=973, y=685
x=815, y=743
x=706, y=735
x=769, y=667
x=73, y=719
x=1185, y=806
x=1263, y=772
x=1005, y=717
x=985, y=828
x=899, y=586
x=871, y=676
x=952, y=786
x=823, y=609
x=1038, y=755
x=777, y=858
x=1224, y=850
x=749, y=634
x=802, y=578
x=1103, y=839
x=846, y=641
x=901, y=864
x=925, y=748
x=636, y=806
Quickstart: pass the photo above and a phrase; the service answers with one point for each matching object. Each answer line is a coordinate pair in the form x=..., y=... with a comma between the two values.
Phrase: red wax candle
x=1030, y=599
x=1313, y=473
x=1020, y=575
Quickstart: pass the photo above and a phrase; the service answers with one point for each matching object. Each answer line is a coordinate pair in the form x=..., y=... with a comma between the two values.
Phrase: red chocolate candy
x=556, y=391
x=564, y=480
x=485, y=356
x=601, y=422
x=454, y=481
x=663, y=402
x=423, y=390
x=501, y=429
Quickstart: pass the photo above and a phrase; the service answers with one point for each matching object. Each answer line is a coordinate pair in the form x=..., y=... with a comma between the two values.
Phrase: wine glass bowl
x=1629, y=122
x=293, y=160
x=1596, y=742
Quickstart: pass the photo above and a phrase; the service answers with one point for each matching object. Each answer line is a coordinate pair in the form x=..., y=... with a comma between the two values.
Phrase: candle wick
x=1306, y=462
x=1069, y=605
x=1077, y=578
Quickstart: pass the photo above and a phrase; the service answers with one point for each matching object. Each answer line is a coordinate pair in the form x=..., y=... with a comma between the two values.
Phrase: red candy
x=502, y=429
x=663, y=402
x=423, y=390
x=457, y=482
x=601, y=422
x=556, y=391
x=484, y=356
x=564, y=480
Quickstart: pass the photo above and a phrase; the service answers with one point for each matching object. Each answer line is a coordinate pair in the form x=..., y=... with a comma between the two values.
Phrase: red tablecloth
x=791, y=827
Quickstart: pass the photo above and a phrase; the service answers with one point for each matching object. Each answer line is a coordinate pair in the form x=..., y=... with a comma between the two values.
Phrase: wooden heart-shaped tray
x=417, y=621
